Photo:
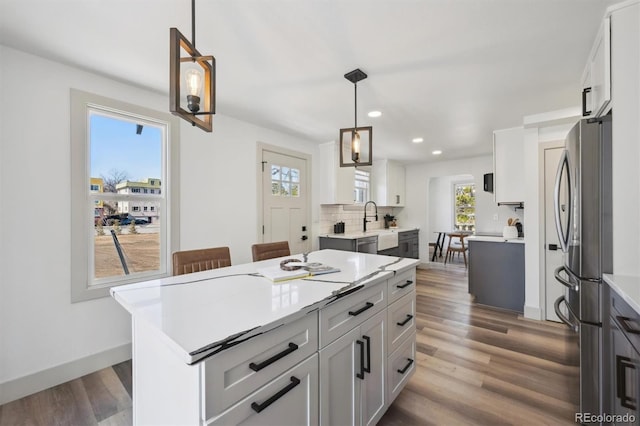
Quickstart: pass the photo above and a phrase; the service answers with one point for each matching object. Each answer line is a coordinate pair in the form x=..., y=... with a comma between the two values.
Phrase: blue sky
x=115, y=145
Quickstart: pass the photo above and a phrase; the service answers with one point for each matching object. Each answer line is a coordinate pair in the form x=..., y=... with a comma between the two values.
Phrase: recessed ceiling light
x=417, y=140
x=374, y=114
x=436, y=152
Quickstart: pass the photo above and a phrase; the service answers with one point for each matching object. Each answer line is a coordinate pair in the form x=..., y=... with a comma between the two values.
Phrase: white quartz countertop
x=495, y=239
x=199, y=313
x=371, y=233
x=628, y=287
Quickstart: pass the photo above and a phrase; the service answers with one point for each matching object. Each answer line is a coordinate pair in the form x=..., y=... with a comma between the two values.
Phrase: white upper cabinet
x=625, y=80
x=508, y=165
x=337, y=183
x=596, y=79
x=388, y=183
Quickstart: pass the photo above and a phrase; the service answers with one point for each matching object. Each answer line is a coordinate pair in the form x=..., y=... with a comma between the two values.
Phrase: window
x=285, y=181
x=95, y=187
x=464, y=207
x=145, y=208
x=152, y=208
x=361, y=190
x=145, y=190
x=107, y=149
x=153, y=191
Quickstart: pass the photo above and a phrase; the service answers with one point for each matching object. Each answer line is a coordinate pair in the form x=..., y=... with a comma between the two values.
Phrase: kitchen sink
x=387, y=240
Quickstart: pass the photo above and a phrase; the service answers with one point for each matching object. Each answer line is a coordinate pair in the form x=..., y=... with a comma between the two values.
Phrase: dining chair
x=456, y=247
x=188, y=261
x=263, y=251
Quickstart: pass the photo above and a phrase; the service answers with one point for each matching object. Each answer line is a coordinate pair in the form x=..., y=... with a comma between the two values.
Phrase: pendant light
x=194, y=73
x=352, y=151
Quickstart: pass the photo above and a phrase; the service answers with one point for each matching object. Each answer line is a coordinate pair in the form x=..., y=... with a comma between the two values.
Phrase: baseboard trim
x=532, y=313
x=32, y=383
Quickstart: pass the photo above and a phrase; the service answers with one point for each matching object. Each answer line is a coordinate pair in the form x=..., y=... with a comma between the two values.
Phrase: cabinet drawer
x=401, y=320
x=401, y=284
x=233, y=374
x=290, y=399
x=626, y=318
x=350, y=311
x=400, y=367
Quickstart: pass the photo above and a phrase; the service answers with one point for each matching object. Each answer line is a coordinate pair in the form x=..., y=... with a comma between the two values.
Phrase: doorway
x=285, y=197
x=552, y=251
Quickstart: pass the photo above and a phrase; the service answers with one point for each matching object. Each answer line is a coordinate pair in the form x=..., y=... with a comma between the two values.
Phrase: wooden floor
x=475, y=365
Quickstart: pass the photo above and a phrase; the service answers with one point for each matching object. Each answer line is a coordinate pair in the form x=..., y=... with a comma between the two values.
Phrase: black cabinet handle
x=622, y=363
x=406, y=367
x=257, y=367
x=259, y=407
x=367, y=369
x=361, y=310
x=584, y=101
x=409, y=318
x=407, y=284
x=624, y=323
x=360, y=375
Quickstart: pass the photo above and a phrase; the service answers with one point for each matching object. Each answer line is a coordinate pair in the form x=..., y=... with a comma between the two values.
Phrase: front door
x=285, y=197
x=552, y=250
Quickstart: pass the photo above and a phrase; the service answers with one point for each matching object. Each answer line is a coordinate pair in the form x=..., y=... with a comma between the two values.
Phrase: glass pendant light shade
x=355, y=147
x=193, y=79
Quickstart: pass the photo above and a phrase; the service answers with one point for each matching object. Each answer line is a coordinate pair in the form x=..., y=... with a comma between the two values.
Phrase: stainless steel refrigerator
x=584, y=224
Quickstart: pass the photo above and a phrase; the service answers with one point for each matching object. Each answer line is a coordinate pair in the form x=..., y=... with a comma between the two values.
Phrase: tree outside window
x=464, y=206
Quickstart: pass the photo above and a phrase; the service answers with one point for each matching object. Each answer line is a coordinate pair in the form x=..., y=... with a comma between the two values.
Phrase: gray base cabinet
x=496, y=274
x=408, y=244
x=622, y=345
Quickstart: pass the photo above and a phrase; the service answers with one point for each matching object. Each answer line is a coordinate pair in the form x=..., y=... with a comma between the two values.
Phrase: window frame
x=82, y=229
x=367, y=185
x=455, y=206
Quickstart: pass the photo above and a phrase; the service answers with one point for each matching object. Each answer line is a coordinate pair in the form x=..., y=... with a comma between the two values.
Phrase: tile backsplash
x=352, y=216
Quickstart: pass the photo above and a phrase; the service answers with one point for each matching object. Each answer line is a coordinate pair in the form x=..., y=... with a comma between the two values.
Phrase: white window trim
x=455, y=185
x=81, y=250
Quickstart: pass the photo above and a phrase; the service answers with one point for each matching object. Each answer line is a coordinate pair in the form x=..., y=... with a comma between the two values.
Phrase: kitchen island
x=229, y=346
x=496, y=271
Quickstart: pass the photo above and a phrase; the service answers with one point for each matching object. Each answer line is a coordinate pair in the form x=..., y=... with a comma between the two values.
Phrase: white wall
x=420, y=200
x=39, y=328
x=441, y=200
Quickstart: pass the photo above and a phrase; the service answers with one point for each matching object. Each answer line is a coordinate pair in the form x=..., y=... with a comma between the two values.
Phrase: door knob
x=304, y=238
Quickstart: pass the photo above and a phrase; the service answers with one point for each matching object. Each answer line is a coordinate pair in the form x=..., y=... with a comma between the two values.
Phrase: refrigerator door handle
x=563, y=318
x=563, y=281
x=564, y=239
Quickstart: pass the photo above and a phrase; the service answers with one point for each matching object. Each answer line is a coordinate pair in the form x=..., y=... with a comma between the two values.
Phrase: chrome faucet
x=364, y=221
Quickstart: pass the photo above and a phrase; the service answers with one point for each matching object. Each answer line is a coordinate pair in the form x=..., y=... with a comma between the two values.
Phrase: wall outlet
x=495, y=217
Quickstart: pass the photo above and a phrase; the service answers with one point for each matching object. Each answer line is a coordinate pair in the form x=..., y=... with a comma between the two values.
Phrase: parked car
x=124, y=218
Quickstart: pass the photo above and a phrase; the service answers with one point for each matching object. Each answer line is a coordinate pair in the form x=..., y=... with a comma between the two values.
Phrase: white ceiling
x=450, y=71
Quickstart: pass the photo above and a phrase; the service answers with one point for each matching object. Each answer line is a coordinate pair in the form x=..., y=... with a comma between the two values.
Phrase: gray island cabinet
x=496, y=272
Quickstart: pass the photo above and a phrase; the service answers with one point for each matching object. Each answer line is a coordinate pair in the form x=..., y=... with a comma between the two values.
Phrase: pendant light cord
x=193, y=23
x=355, y=91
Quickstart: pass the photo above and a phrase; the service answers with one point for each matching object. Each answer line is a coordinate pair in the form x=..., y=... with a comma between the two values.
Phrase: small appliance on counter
x=389, y=221
x=338, y=228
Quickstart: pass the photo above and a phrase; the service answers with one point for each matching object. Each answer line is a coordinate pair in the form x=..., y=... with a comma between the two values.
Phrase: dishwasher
x=367, y=245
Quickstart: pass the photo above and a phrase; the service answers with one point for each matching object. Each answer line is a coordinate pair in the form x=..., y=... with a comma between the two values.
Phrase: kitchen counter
x=628, y=287
x=370, y=233
x=201, y=312
x=495, y=239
